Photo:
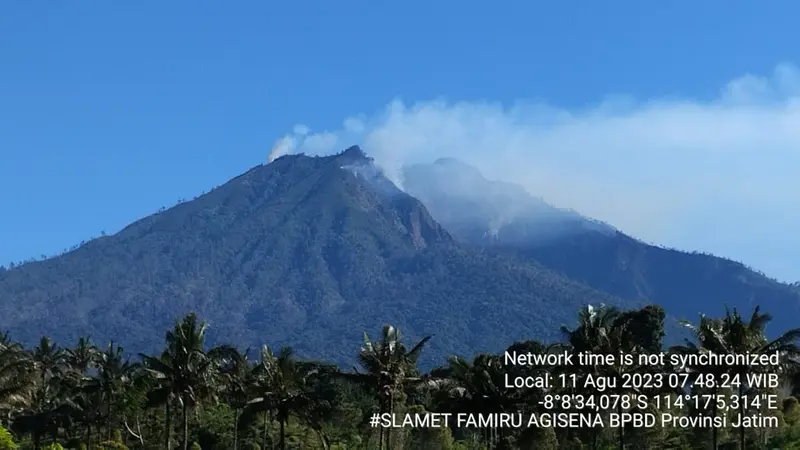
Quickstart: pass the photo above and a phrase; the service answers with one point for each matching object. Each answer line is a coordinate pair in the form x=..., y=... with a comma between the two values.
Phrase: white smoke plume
x=301, y=141
x=719, y=175
x=281, y=147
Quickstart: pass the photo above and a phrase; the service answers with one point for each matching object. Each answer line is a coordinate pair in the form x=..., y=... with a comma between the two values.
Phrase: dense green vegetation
x=193, y=396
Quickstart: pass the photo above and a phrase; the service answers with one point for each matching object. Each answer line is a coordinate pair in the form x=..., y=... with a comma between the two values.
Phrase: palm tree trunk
x=89, y=434
x=108, y=420
x=37, y=440
x=235, y=428
x=185, y=427
x=714, y=416
x=323, y=439
x=168, y=428
x=283, y=434
x=391, y=414
x=382, y=409
x=264, y=438
x=741, y=414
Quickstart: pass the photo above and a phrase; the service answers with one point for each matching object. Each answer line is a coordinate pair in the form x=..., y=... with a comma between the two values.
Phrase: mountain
x=492, y=214
x=303, y=251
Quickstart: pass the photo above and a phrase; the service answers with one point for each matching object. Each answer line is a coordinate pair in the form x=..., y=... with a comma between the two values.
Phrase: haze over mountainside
x=475, y=209
x=492, y=214
x=304, y=251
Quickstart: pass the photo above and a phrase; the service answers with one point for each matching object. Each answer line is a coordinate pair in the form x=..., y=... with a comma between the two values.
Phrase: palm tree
x=734, y=335
x=48, y=400
x=478, y=387
x=283, y=385
x=84, y=407
x=235, y=376
x=82, y=357
x=114, y=374
x=162, y=376
x=710, y=338
x=49, y=358
x=80, y=405
x=184, y=371
x=605, y=331
x=321, y=383
x=16, y=382
x=474, y=388
x=390, y=367
x=592, y=335
x=743, y=337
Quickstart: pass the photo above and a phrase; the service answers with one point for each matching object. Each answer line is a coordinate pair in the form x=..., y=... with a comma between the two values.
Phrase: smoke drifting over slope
x=716, y=175
x=475, y=209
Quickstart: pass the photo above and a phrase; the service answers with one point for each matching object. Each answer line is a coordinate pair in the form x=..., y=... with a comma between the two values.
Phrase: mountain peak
x=306, y=250
x=354, y=153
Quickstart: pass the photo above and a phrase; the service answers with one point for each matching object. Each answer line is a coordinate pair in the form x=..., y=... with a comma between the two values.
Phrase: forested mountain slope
x=305, y=251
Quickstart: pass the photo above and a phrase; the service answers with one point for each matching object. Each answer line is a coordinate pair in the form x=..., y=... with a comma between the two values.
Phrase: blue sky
x=639, y=113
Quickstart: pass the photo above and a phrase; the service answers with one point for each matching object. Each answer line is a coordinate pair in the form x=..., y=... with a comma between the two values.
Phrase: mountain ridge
x=307, y=251
x=685, y=283
x=311, y=251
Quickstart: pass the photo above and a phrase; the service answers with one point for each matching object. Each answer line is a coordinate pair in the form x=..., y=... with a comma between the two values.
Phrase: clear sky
x=640, y=113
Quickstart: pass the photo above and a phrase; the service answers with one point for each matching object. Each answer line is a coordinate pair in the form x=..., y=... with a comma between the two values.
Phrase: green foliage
x=791, y=411
x=6, y=440
x=214, y=427
x=111, y=445
x=788, y=436
x=468, y=445
x=540, y=439
x=282, y=401
x=115, y=443
x=440, y=438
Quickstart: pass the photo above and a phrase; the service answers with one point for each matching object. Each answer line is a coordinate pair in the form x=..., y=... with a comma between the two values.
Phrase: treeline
x=192, y=396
